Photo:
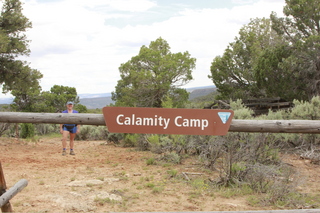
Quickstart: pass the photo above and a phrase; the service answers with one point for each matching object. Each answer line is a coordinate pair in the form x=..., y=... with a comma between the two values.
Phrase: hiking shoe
x=64, y=153
x=72, y=152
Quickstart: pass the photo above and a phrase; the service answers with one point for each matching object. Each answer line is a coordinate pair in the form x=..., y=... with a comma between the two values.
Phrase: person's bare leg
x=64, y=139
x=72, y=136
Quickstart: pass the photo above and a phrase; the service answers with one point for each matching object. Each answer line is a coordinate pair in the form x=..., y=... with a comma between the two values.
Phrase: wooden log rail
x=273, y=126
x=5, y=197
x=52, y=118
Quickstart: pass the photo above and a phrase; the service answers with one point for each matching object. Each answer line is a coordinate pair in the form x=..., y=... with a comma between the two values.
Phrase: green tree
x=13, y=43
x=56, y=99
x=234, y=73
x=274, y=78
x=81, y=108
x=301, y=29
x=26, y=90
x=153, y=76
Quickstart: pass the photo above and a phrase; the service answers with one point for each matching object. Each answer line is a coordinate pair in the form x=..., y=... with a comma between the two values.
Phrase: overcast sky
x=82, y=43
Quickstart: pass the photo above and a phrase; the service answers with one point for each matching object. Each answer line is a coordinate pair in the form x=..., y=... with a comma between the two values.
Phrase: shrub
x=89, y=132
x=27, y=130
x=306, y=110
x=115, y=137
x=130, y=140
x=282, y=190
x=240, y=111
x=4, y=128
x=43, y=129
x=172, y=173
x=142, y=143
x=154, y=141
x=171, y=157
x=99, y=133
x=102, y=132
x=151, y=161
x=85, y=131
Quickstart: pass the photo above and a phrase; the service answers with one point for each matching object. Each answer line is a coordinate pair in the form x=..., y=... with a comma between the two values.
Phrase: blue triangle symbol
x=224, y=116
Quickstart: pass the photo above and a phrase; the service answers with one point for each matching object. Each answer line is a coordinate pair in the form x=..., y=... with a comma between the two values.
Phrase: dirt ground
x=102, y=177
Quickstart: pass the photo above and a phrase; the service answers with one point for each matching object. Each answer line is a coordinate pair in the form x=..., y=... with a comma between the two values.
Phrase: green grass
x=151, y=161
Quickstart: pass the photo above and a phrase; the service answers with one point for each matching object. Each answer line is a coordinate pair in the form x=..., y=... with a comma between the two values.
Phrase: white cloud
x=75, y=42
x=243, y=1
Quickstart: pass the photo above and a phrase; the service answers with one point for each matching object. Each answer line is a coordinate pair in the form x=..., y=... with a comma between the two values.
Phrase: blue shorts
x=71, y=129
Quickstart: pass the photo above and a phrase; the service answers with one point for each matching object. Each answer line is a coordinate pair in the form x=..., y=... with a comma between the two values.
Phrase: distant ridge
x=201, y=92
x=94, y=103
x=95, y=95
x=196, y=88
x=100, y=100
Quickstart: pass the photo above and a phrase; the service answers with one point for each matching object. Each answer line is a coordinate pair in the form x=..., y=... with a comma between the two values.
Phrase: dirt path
x=102, y=177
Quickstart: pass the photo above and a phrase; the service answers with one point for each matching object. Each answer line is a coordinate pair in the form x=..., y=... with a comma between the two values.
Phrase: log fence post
x=7, y=206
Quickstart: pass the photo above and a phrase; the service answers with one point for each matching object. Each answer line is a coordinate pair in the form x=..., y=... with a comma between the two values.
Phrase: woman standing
x=69, y=129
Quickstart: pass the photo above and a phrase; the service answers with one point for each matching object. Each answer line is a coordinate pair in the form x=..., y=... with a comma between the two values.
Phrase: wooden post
x=6, y=207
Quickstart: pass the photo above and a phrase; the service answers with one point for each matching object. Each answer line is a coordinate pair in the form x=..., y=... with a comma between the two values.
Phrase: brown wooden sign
x=167, y=121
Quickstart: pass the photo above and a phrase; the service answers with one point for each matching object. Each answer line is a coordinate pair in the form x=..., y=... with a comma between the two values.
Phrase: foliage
x=151, y=161
x=300, y=28
x=85, y=133
x=234, y=72
x=235, y=153
x=89, y=132
x=15, y=74
x=202, y=101
x=100, y=133
x=4, y=127
x=115, y=137
x=307, y=110
x=13, y=24
x=130, y=140
x=44, y=129
x=154, y=76
x=26, y=92
x=27, y=130
x=276, y=57
x=94, y=111
x=154, y=143
x=240, y=111
x=273, y=78
x=171, y=157
x=33, y=100
x=81, y=108
x=56, y=99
